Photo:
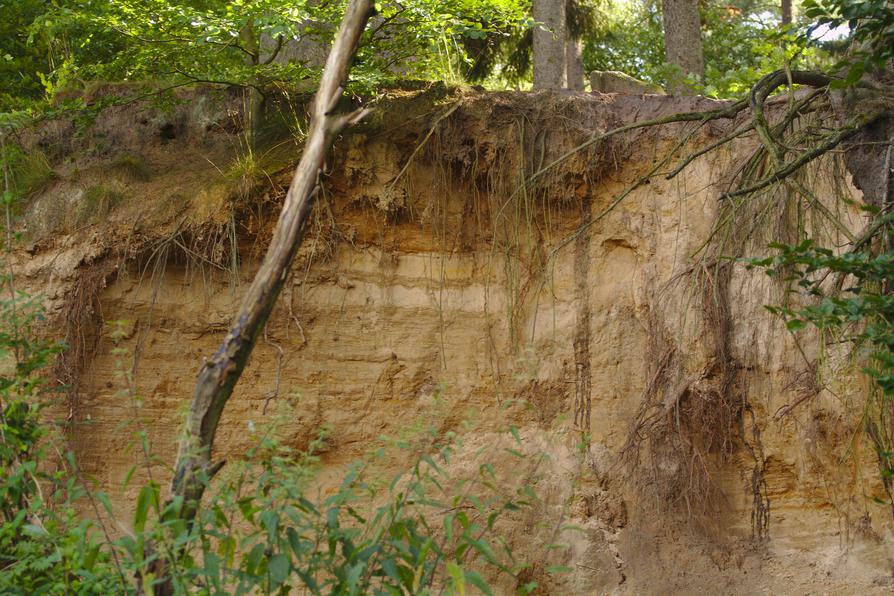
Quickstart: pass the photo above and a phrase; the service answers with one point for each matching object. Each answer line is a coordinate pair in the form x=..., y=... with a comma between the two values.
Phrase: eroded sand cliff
x=436, y=284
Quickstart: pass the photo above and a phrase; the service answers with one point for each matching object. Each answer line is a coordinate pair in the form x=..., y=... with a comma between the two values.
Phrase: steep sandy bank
x=430, y=270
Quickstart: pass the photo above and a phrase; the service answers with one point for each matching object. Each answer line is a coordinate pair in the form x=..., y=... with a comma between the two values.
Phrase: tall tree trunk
x=221, y=371
x=786, y=9
x=683, y=41
x=549, y=44
x=574, y=64
x=253, y=99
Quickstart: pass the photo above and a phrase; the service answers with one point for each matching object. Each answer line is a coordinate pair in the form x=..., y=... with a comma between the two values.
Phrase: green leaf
x=128, y=476
x=212, y=565
x=254, y=559
x=390, y=569
x=270, y=522
x=278, y=567
x=106, y=503
x=34, y=530
x=479, y=582
x=141, y=512
x=558, y=569
x=457, y=578
x=795, y=324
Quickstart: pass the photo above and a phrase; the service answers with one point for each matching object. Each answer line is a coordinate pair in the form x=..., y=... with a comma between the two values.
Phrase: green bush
x=261, y=531
x=44, y=547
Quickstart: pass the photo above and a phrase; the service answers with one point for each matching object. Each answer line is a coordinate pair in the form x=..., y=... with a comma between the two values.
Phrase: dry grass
x=98, y=202
x=133, y=167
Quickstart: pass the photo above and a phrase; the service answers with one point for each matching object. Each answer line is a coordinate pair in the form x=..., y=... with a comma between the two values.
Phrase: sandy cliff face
x=439, y=277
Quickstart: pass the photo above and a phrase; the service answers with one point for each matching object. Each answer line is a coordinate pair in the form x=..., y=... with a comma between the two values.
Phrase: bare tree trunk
x=786, y=9
x=221, y=371
x=683, y=41
x=253, y=100
x=549, y=44
x=574, y=64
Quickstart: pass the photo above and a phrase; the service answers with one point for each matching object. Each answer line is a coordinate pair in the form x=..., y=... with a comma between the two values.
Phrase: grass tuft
x=245, y=175
x=30, y=170
x=133, y=167
x=98, y=202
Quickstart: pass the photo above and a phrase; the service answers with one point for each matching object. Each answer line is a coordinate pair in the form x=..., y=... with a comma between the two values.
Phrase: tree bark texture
x=549, y=44
x=683, y=41
x=221, y=371
x=786, y=10
x=574, y=64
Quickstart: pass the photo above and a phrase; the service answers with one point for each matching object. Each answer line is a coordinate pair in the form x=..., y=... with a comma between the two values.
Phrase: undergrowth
x=434, y=527
x=45, y=546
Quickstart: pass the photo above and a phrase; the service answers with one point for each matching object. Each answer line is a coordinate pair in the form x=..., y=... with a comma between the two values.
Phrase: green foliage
x=237, y=42
x=630, y=40
x=202, y=41
x=427, y=39
x=871, y=23
x=742, y=44
x=27, y=172
x=499, y=52
x=742, y=41
x=19, y=59
x=44, y=547
x=262, y=528
x=57, y=48
x=261, y=531
x=861, y=312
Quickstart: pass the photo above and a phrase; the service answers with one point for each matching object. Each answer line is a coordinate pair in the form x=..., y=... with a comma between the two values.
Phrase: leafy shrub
x=262, y=532
x=44, y=547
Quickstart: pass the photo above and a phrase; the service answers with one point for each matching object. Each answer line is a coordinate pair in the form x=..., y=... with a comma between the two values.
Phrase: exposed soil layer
x=437, y=274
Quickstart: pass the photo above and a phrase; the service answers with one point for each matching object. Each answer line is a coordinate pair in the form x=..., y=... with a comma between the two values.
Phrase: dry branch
x=221, y=371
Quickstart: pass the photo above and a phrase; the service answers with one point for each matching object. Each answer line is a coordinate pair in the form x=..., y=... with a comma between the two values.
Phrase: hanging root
x=82, y=321
x=686, y=426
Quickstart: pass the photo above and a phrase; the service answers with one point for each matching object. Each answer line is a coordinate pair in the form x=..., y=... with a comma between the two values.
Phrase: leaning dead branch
x=221, y=371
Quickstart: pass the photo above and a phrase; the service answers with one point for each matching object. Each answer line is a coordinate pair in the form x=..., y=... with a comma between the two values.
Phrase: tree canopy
x=50, y=50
